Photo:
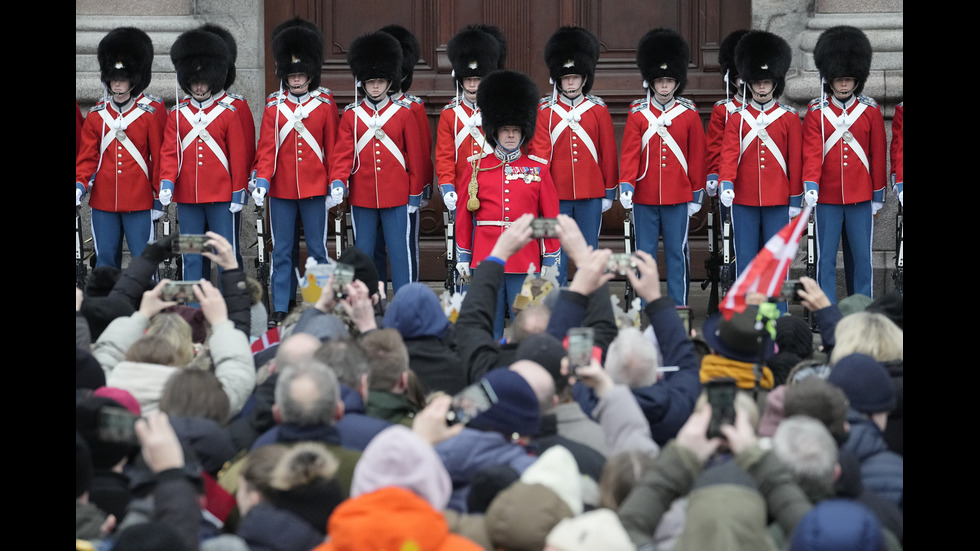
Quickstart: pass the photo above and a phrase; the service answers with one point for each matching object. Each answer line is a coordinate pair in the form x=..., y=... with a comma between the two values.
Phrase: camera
x=620, y=263
x=721, y=397
x=470, y=402
x=189, y=243
x=178, y=291
x=789, y=291
x=544, y=228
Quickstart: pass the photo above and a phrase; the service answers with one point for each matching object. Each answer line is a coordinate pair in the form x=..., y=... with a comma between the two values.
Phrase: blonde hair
x=176, y=332
x=868, y=333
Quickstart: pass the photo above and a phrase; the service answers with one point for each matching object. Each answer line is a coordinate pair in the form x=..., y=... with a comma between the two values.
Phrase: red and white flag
x=767, y=271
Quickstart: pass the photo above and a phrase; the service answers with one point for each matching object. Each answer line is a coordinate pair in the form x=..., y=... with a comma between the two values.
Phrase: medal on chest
x=527, y=173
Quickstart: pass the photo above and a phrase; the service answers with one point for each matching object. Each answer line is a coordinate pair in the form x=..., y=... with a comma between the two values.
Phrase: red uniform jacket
x=127, y=171
x=898, y=145
x=244, y=113
x=425, y=134
x=580, y=145
x=840, y=175
x=458, y=137
x=766, y=172
x=293, y=156
x=209, y=164
x=386, y=167
x=654, y=168
x=507, y=190
x=715, y=133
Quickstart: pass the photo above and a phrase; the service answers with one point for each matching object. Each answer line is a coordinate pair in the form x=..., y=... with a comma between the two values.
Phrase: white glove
x=549, y=272
x=626, y=198
x=875, y=207
x=252, y=183
x=156, y=214
x=78, y=197
x=794, y=212
x=235, y=207
x=711, y=187
x=900, y=198
x=727, y=197
x=463, y=268
x=166, y=195
x=259, y=196
x=606, y=204
x=692, y=208
x=412, y=209
x=811, y=198
x=450, y=200
x=337, y=194
x=331, y=203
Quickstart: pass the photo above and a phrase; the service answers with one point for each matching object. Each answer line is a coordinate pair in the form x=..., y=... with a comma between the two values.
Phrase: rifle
x=811, y=259
x=726, y=272
x=629, y=239
x=448, y=219
x=899, y=250
x=172, y=267
x=261, y=255
x=81, y=269
x=712, y=265
x=338, y=230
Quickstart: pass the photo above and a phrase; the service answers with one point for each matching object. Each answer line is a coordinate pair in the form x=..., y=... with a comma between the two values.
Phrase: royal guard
x=723, y=109
x=575, y=134
x=501, y=186
x=662, y=171
x=119, y=148
x=296, y=140
x=411, y=53
x=204, y=156
x=844, y=160
x=761, y=156
x=379, y=160
x=473, y=52
x=898, y=151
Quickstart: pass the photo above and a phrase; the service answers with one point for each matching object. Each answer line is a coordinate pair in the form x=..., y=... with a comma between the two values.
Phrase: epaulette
x=272, y=95
x=182, y=103
x=235, y=96
x=638, y=105
x=274, y=100
x=723, y=101
x=868, y=100
x=472, y=158
x=97, y=107
x=538, y=159
x=401, y=103
x=595, y=99
x=323, y=99
x=227, y=106
x=788, y=108
x=452, y=104
x=146, y=107
x=817, y=103
x=687, y=103
x=546, y=99
x=157, y=99
x=413, y=99
x=325, y=90
x=901, y=104
x=351, y=106
x=546, y=102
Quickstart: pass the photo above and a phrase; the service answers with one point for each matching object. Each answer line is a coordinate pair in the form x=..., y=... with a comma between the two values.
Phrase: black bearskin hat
x=843, y=52
x=297, y=47
x=761, y=55
x=572, y=51
x=376, y=55
x=126, y=53
x=200, y=56
x=232, y=50
x=411, y=52
x=508, y=98
x=663, y=53
x=726, y=58
x=476, y=51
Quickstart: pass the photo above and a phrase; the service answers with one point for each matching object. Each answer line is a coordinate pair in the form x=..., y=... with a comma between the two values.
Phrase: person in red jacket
x=761, y=156
x=296, y=140
x=204, y=157
x=119, y=153
x=844, y=160
x=379, y=160
x=723, y=109
x=662, y=172
x=575, y=134
x=502, y=186
x=898, y=151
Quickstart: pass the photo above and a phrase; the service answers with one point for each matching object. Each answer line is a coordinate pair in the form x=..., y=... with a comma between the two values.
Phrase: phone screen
x=580, y=343
x=721, y=396
x=117, y=425
x=470, y=402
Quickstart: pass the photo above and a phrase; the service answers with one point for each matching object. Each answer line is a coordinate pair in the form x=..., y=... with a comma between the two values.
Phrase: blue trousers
x=381, y=256
x=193, y=218
x=108, y=229
x=394, y=224
x=588, y=215
x=855, y=225
x=284, y=215
x=671, y=222
x=752, y=227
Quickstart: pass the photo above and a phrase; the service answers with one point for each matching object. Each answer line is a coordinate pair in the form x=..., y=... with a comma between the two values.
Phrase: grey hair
x=632, y=359
x=806, y=447
x=307, y=412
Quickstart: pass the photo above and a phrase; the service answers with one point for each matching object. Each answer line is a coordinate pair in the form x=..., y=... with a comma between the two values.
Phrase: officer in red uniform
x=662, y=171
x=299, y=128
x=504, y=185
x=761, y=156
x=379, y=158
x=575, y=134
x=119, y=151
x=723, y=109
x=204, y=157
x=898, y=151
x=844, y=160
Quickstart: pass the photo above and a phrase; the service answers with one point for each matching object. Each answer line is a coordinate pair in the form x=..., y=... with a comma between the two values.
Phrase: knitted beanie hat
x=516, y=410
x=865, y=382
x=838, y=525
x=399, y=457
